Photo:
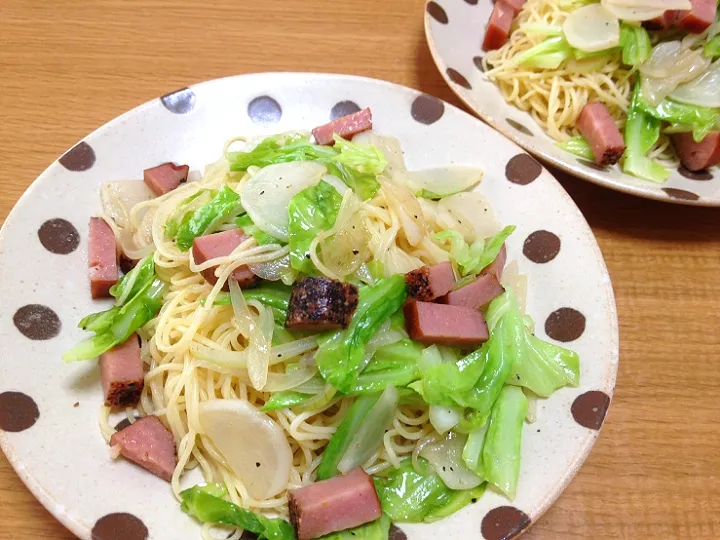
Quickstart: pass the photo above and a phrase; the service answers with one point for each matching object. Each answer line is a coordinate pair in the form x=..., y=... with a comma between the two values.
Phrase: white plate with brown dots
x=455, y=30
x=49, y=410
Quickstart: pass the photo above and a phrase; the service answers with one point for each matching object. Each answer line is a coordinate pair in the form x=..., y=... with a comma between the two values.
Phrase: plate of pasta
x=623, y=93
x=292, y=306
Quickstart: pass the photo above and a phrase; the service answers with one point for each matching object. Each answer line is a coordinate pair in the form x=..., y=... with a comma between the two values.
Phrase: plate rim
x=588, y=176
x=82, y=530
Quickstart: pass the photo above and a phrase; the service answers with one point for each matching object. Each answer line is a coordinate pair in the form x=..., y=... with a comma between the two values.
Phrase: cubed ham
x=599, y=129
x=166, y=177
x=319, y=303
x=121, y=372
x=102, y=258
x=498, y=28
x=444, y=324
x=148, y=443
x=663, y=22
x=430, y=282
x=221, y=244
x=698, y=155
x=346, y=127
x=498, y=265
x=476, y=294
x=699, y=18
x=340, y=503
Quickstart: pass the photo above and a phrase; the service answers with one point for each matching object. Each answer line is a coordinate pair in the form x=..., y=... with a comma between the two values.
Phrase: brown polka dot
x=503, y=523
x=396, y=533
x=343, y=108
x=681, y=194
x=592, y=165
x=704, y=175
x=427, y=109
x=541, y=246
x=79, y=158
x=59, y=236
x=458, y=78
x=18, y=411
x=478, y=61
x=518, y=126
x=180, y=101
x=437, y=12
x=522, y=169
x=120, y=526
x=264, y=110
x=565, y=324
x=37, y=322
x=589, y=409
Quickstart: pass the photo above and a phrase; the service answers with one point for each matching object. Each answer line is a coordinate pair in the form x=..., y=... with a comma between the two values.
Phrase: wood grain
x=67, y=67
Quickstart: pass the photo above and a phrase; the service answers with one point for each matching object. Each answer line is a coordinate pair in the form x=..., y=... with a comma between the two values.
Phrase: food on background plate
x=334, y=341
x=634, y=82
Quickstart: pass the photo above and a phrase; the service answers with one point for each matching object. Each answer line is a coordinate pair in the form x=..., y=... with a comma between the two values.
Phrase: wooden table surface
x=69, y=66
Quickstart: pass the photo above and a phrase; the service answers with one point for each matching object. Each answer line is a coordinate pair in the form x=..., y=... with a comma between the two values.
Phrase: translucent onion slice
x=468, y=213
x=344, y=247
x=442, y=181
x=277, y=270
x=279, y=382
x=119, y=197
x=389, y=146
x=668, y=67
x=369, y=437
x=592, y=28
x=255, y=448
x=629, y=13
x=258, y=332
x=407, y=208
x=266, y=195
x=703, y=91
x=446, y=458
x=443, y=419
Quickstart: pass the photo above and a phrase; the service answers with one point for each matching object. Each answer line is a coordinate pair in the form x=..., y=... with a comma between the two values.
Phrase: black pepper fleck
x=355, y=252
x=473, y=500
x=257, y=463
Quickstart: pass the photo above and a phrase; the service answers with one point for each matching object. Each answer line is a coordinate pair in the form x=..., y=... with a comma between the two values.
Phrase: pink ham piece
x=698, y=155
x=346, y=127
x=443, y=324
x=121, y=372
x=699, y=18
x=334, y=505
x=600, y=131
x=147, y=443
x=102, y=258
x=476, y=294
x=220, y=244
x=430, y=282
x=498, y=28
x=498, y=265
x=166, y=177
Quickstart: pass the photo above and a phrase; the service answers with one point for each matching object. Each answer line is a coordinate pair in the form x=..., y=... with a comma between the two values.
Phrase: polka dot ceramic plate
x=455, y=30
x=49, y=410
